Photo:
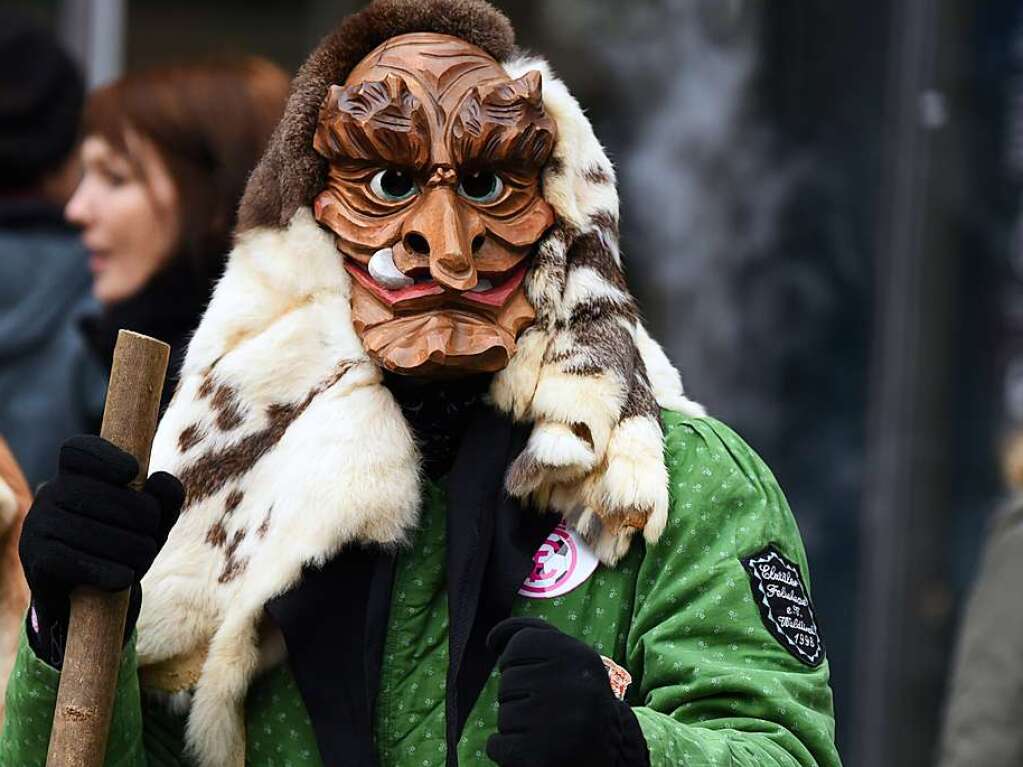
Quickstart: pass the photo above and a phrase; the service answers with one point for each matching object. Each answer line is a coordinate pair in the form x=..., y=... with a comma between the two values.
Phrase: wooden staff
x=88, y=681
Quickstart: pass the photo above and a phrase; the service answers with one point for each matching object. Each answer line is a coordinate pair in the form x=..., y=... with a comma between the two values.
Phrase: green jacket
x=713, y=686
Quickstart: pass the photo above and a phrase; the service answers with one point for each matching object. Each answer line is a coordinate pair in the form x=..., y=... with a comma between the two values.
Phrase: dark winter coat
x=50, y=386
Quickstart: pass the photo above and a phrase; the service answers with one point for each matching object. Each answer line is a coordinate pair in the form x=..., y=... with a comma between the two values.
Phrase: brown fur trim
x=233, y=501
x=640, y=400
x=190, y=437
x=589, y=251
x=291, y=173
x=234, y=566
x=227, y=407
x=212, y=470
x=597, y=175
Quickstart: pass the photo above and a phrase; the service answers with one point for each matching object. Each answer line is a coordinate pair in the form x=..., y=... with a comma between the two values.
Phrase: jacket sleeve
x=714, y=686
x=32, y=696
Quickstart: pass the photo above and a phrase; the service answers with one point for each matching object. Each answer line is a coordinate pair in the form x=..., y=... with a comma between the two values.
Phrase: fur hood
x=290, y=447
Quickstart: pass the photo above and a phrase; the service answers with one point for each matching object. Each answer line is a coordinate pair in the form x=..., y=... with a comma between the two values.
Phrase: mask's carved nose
x=448, y=233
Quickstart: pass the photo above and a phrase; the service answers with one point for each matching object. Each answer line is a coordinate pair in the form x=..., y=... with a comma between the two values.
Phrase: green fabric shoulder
x=714, y=686
x=709, y=465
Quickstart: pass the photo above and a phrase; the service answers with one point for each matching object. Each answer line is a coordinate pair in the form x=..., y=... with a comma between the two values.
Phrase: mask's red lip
x=392, y=297
x=494, y=297
x=498, y=295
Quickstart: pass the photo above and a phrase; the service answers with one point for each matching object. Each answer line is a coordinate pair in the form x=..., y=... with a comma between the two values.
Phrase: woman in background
x=165, y=157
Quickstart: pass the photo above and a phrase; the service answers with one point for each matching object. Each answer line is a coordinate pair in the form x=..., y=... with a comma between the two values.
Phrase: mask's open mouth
x=492, y=291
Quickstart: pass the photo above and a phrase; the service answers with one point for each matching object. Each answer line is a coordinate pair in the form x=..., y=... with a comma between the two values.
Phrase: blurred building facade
x=821, y=219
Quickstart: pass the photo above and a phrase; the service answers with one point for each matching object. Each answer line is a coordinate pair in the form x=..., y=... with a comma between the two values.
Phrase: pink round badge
x=561, y=563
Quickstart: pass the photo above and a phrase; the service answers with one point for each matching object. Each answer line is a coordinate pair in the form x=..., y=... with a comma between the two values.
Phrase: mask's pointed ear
x=530, y=86
x=505, y=123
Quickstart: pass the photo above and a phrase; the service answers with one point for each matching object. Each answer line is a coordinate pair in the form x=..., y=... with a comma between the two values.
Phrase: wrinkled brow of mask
x=423, y=99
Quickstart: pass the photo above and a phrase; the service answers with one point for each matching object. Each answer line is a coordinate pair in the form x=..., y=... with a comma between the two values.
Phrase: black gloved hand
x=86, y=527
x=556, y=706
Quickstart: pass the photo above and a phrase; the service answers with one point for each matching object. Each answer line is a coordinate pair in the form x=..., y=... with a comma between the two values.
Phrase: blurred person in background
x=49, y=386
x=165, y=156
x=985, y=701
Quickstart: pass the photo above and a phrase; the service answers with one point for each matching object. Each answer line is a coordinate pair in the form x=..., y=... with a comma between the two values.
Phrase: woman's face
x=129, y=215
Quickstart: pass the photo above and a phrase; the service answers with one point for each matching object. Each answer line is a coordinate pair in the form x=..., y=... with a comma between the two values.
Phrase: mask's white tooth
x=383, y=270
x=482, y=285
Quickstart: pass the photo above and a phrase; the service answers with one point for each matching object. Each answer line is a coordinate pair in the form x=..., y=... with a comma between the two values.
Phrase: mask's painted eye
x=393, y=185
x=481, y=186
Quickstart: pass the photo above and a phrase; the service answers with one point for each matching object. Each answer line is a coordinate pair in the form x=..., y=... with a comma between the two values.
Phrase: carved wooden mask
x=433, y=193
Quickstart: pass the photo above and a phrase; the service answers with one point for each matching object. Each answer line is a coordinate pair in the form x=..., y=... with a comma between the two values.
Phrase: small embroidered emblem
x=620, y=678
x=785, y=605
x=562, y=563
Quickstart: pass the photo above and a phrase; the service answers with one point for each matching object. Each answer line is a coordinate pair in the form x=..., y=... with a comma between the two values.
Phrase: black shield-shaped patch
x=785, y=604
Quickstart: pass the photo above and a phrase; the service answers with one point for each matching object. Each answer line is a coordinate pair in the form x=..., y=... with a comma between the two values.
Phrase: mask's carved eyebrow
x=377, y=122
x=504, y=124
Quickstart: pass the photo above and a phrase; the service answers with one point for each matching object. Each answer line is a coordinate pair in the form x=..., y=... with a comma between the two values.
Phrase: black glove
x=556, y=706
x=86, y=527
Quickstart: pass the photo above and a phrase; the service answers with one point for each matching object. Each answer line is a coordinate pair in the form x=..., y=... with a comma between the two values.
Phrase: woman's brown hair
x=210, y=122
